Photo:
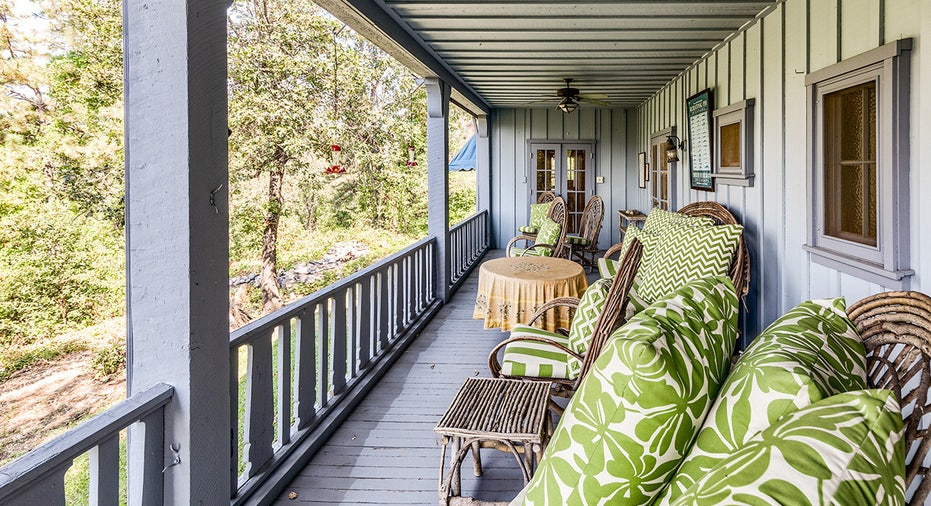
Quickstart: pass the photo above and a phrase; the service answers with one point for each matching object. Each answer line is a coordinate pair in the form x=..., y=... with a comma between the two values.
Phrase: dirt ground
x=49, y=397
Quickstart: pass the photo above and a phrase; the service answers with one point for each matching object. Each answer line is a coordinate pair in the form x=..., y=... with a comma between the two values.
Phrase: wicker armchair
x=896, y=329
x=557, y=213
x=584, y=246
x=610, y=318
x=740, y=266
x=543, y=198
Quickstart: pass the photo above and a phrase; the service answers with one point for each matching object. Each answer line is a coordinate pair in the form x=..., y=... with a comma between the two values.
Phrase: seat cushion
x=810, y=353
x=681, y=254
x=537, y=252
x=536, y=359
x=527, y=229
x=844, y=450
x=577, y=241
x=635, y=414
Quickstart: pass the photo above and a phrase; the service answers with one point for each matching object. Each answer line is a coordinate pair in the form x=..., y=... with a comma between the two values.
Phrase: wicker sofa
x=843, y=398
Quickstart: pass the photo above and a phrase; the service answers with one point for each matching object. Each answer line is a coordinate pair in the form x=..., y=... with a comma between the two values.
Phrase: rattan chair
x=895, y=327
x=740, y=266
x=557, y=213
x=584, y=246
x=610, y=318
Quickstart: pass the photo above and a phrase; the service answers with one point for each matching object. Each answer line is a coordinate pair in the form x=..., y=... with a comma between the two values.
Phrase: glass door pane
x=545, y=169
x=576, y=184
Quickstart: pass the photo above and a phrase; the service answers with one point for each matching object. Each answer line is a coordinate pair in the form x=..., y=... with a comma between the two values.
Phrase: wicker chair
x=740, y=265
x=896, y=329
x=610, y=318
x=542, y=198
x=557, y=213
x=584, y=246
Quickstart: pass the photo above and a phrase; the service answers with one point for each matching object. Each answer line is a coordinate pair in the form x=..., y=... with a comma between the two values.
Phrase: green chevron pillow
x=843, y=450
x=682, y=254
x=660, y=220
x=637, y=411
x=586, y=315
x=810, y=353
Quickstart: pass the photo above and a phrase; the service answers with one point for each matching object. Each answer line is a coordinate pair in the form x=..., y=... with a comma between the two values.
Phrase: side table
x=628, y=217
x=505, y=414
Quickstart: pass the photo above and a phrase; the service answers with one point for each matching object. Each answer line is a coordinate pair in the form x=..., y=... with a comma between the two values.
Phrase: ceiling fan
x=571, y=97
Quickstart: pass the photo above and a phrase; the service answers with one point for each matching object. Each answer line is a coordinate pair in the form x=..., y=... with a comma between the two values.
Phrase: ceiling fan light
x=567, y=105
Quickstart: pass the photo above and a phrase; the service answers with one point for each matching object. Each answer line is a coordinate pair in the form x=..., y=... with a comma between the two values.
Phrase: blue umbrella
x=465, y=158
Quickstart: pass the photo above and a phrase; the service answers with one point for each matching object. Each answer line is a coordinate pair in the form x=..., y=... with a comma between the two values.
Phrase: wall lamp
x=672, y=147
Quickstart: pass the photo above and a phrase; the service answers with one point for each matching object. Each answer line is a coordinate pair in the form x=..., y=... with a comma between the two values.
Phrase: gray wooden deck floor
x=386, y=452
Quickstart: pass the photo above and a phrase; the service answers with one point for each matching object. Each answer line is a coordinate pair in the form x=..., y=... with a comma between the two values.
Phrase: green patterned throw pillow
x=682, y=254
x=810, y=353
x=537, y=214
x=549, y=232
x=843, y=450
x=637, y=411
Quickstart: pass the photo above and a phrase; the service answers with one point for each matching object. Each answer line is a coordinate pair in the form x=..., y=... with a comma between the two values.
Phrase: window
x=733, y=144
x=858, y=193
x=662, y=173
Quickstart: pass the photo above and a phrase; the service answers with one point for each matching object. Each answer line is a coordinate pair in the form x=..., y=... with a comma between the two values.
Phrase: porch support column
x=483, y=166
x=438, y=178
x=176, y=240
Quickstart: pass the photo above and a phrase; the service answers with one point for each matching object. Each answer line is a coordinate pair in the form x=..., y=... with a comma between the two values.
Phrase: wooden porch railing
x=468, y=241
x=290, y=368
x=292, y=379
x=39, y=476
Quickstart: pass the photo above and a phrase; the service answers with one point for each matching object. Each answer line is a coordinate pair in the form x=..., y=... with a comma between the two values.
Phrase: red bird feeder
x=335, y=167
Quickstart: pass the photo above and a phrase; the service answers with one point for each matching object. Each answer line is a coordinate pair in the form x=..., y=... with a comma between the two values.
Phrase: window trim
x=886, y=263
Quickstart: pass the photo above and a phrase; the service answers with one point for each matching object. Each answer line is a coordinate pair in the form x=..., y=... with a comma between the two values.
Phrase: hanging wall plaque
x=699, y=107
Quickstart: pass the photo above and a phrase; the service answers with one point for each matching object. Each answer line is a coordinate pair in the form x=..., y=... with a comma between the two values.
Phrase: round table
x=511, y=289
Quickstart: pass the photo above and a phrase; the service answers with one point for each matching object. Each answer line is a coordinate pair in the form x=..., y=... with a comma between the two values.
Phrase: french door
x=662, y=173
x=566, y=169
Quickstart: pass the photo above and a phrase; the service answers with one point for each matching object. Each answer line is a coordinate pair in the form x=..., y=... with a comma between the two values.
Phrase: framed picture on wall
x=699, y=107
x=643, y=171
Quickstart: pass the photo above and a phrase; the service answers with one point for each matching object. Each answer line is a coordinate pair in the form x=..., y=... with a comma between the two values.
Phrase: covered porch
x=330, y=384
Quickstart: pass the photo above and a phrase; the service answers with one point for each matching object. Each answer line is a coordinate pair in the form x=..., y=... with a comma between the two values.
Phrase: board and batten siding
x=512, y=176
x=768, y=62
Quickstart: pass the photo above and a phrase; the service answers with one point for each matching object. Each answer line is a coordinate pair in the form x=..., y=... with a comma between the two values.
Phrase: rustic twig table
x=505, y=414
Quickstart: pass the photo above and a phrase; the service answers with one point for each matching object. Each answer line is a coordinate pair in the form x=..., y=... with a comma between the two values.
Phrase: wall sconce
x=672, y=147
x=567, y=105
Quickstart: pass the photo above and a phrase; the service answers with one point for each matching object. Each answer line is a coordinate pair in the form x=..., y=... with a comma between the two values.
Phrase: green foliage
x=16, y=360
x=109, y=360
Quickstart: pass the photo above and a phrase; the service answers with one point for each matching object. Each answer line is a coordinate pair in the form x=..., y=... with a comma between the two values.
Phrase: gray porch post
x=483, y=166
x=438, y=178
x=176, y=239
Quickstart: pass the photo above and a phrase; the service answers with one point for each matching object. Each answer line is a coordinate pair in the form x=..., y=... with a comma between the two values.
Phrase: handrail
x=468, y=242
x=304, y=358
x=42, y=470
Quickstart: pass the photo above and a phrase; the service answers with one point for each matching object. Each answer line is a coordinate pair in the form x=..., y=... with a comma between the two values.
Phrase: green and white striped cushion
x=536, y=359
x=537, y=252
x=527, y=229
x=843, y=450
x=540, y=358
x=577, y=241
x=683, y=254
x=608, y=268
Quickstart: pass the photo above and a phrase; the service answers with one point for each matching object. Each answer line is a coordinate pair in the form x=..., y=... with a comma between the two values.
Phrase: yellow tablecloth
x=511, y=289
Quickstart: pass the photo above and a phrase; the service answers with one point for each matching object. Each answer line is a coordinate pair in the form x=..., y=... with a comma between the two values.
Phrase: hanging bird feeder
x=411, y=161
x=335, y=167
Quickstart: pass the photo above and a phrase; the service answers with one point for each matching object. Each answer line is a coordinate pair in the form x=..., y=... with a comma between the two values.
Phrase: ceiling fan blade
x=589, y=100
x=596, y=96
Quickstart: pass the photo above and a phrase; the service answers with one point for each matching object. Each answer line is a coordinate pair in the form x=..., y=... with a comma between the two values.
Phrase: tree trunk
x=271, y=295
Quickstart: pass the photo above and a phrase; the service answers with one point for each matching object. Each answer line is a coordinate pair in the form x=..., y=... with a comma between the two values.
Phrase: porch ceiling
x=516, y=53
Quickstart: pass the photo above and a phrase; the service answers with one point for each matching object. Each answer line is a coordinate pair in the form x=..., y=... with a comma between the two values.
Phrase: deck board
x=387, y=452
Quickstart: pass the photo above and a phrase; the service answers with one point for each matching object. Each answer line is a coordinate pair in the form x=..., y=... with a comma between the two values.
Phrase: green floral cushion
x=810, y=353
x=537, y=214
x=637, y=411
x=541, y=360
x=660, y=220
x=549, y=232
x=682, y=254
x=843, y=450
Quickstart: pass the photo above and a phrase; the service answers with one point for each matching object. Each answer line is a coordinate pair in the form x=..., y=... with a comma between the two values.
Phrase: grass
x=16, y=360
x=77, y=478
